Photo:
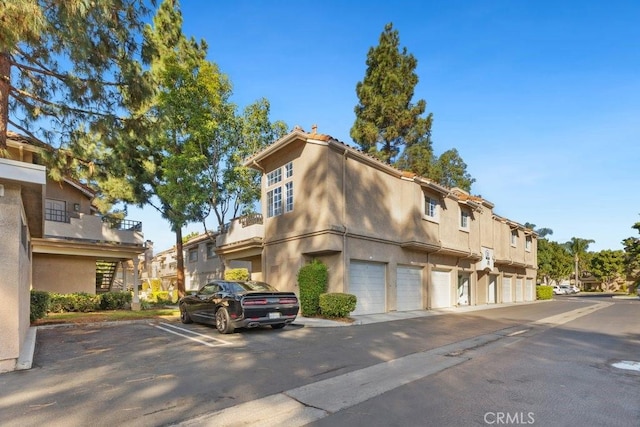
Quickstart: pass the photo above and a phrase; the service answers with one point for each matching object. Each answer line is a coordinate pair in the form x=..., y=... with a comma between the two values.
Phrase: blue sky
x=540, y=98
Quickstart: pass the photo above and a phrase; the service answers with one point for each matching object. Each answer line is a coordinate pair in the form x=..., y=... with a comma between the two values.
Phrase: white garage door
x=529, y=290
x=440, y=289
x=506, y=289
x=519, y=290
x=409, y=288
x=367, y=283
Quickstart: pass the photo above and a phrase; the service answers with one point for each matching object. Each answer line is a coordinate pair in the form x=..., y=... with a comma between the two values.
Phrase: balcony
x=77, y=226
x=247, y=229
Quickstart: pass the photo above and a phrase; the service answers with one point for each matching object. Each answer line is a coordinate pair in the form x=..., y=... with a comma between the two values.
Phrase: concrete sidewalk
x=366, y=319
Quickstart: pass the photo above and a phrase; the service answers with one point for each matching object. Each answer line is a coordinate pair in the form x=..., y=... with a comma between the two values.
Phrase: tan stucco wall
x=64, y=192
x=62, y=274
x=348, y=208
x=15, y=266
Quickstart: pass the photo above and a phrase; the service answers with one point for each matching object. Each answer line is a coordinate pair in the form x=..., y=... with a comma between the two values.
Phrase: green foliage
x=77, y=301
x=39, y=304
x=71, y=65
x=236, y=274
x=390, y=126
x=554, y=261
x=337, y=304
x=115, y=300
x=607, y=265
x=312, y=281
x=451, y=171
x=632, y=254
x=544, y=292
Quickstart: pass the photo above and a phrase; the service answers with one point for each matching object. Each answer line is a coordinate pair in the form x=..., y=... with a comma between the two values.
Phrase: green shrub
x=75, y=302
x=337, y=304
x=39, y=304
x=236, y=274
x=544, y=292
x=312, y=280
x=115, y=300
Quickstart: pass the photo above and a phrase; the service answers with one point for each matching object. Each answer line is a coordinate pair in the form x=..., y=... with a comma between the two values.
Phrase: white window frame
x=527, y=243
x=192, y=255
x=431, y=208
x=465, y=219
x=514, y=238
x=280, y=197
x=288, y=196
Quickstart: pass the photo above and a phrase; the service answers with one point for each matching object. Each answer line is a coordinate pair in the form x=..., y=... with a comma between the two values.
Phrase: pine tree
x=385, y=115
x=67, y=67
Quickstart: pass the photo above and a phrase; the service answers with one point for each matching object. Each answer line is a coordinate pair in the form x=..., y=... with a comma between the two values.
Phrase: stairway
x=105, y=273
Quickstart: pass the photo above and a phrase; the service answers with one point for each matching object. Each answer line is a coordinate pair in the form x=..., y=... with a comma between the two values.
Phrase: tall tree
x=541, y=232
x=554, y=261
x=632, y=254
x=385, y=115
x=578, y=247
x=390, y=126
x=450, y=170
x=607, y=266
x=66, y=67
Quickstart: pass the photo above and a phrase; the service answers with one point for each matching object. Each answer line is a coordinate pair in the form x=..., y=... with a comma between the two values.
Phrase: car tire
x=184, y=315
x=223, y=321
x=278, y=325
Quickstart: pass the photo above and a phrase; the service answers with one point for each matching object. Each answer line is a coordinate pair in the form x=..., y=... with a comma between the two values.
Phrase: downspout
x=263, y=256
x=344, y=219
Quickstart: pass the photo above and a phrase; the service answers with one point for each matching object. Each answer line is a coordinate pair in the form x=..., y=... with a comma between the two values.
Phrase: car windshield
x=252, y=286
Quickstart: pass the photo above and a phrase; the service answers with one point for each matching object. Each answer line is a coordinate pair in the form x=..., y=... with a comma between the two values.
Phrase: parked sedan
x=229, y=305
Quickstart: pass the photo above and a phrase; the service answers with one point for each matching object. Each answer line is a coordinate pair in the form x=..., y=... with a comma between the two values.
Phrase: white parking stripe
x=184, y=333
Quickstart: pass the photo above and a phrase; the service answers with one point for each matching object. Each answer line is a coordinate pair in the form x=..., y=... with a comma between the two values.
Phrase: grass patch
x=106, y=316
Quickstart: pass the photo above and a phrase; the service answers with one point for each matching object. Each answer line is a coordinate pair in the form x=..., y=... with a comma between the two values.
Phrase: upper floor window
x=527, y=243
x=193, y=255
x=514, y=238
x=274, y=177
x=431, y=208
x=464, y=219
x=211, y=250
x=277, y=202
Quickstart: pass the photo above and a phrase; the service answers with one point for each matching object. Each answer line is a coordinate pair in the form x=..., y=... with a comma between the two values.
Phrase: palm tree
x=577, y=247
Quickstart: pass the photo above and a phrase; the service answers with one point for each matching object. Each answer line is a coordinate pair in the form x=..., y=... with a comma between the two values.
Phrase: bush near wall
x=236, y=274
x=39, y=304
x=544, y=292
x=312, y=281
x=337, y=304
x=49, y=302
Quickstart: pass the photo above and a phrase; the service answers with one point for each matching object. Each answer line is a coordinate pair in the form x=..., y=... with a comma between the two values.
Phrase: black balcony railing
x=122, y=224
x=57, y=215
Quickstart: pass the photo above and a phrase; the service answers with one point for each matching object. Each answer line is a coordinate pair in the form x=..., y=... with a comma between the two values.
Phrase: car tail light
x=288, y=300
x=260, y=301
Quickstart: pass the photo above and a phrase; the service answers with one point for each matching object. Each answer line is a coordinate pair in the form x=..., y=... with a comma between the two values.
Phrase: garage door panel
x=440, y=289
x=506, y=289
x=409, y=288
x=367, y=283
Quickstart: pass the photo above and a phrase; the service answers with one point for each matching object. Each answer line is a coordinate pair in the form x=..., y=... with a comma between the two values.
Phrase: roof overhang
x=86, y=249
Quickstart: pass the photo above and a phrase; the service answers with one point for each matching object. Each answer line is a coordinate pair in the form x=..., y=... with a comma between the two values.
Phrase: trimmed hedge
x=115, y=300
x=236, y=274
x=312, y=281
x=39, y=304
x=337, y=304
x=544, y=292
x=43, y=302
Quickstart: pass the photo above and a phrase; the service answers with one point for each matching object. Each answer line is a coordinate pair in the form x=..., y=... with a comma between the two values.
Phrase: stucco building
x=396, y=240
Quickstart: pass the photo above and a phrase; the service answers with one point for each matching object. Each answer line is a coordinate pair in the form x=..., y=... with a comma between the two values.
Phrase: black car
x=232, y=304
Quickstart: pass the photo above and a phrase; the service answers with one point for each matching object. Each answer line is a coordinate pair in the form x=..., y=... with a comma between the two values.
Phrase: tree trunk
x=179, y=264
x=5, y=78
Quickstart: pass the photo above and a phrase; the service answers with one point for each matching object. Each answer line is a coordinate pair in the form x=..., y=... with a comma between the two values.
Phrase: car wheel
x=184, y=316
x=278, y=325
x=223, y=321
